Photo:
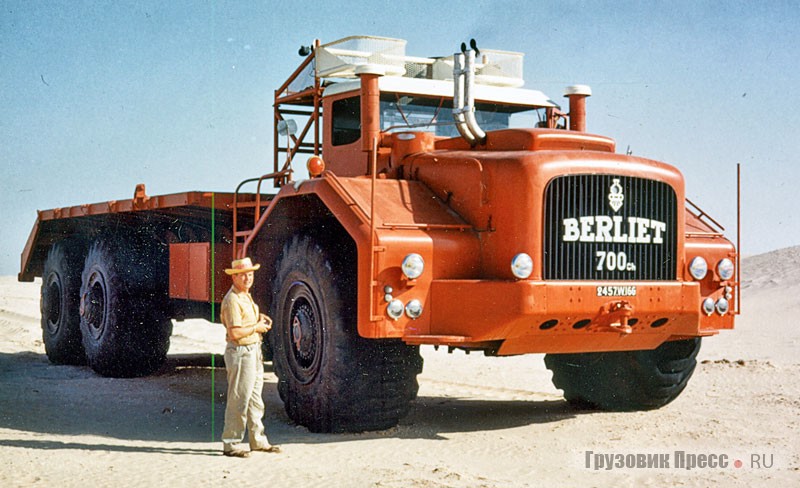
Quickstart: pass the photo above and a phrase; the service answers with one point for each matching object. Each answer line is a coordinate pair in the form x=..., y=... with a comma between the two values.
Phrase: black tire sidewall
x=131, y=336
x=61, y=281
x=305, y=392
x=358, y=384
x=626, y=380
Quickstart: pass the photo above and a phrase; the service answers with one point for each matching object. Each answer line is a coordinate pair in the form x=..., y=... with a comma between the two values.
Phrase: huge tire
x=61, y=286
x=124, y=324
x=266, y=348
x=329, y=378
x=625, y=381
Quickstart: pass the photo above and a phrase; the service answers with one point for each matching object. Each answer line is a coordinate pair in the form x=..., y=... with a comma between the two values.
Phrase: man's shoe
x=272, y=449
x=238, y=453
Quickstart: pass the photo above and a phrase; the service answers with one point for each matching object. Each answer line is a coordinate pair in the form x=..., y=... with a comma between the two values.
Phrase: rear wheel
x=124, y=324
x=61, y=285
x=628, y=380
x=330, y=378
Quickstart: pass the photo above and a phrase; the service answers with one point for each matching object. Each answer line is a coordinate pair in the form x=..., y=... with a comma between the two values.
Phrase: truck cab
x=491, y=220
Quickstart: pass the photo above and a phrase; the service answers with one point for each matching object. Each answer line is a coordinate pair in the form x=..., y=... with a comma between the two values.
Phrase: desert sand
x=478, y=421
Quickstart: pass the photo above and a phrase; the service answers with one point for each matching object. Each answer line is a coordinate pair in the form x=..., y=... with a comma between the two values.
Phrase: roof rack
x=339, y=59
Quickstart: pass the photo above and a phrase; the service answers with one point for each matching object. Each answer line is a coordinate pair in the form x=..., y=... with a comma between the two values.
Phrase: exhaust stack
x=370, y=105
x=577, y=95
x=464, y=98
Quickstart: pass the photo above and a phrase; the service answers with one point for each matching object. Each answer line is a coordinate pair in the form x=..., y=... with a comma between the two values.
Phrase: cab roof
x=442, y=88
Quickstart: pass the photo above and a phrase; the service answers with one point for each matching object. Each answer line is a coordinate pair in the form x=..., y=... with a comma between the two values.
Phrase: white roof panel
x=439, y=88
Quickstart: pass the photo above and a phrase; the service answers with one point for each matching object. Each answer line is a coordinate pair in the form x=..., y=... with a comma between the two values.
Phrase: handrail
x=373, y=282
x=257, y=213
x=701, y=214
x=299, y=70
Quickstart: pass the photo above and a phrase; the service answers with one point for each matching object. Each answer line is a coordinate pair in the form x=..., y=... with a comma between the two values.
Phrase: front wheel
x=329, y=378
x=627, y=380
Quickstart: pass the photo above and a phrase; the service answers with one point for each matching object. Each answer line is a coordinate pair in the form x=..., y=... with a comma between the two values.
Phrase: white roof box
x=339, y=59
x=496, y=68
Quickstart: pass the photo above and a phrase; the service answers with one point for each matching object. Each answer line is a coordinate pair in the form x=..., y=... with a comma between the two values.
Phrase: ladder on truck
x=291, y=99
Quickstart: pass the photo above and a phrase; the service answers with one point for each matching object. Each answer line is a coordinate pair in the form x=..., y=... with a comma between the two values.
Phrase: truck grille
x=591, y=234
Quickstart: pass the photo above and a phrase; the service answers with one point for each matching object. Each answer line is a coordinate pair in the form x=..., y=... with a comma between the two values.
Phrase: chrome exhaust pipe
x=469, y=95
x=458, y=99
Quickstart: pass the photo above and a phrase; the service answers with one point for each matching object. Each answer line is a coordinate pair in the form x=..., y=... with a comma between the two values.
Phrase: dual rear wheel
x=106, y=306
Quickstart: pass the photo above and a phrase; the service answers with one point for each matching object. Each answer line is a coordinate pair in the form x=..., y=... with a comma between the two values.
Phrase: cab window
x=346, y=121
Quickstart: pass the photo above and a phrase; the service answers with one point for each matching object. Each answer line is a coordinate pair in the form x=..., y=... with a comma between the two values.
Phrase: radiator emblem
x=615, y=196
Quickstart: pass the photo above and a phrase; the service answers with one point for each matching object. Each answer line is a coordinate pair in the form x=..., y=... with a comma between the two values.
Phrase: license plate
x=616, y=291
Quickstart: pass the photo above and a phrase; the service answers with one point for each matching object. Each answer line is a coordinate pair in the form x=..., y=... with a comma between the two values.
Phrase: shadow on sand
x=185, y=402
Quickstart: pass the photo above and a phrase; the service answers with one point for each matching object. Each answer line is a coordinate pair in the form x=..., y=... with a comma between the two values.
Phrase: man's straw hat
x=243, y=265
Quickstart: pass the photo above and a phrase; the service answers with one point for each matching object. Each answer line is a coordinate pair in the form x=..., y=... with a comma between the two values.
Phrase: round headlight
x=413, y=266
x=414, y=309
x=708, y=306
x=394, y=309
x=725, y=269
x=698, y=268
x=722, y=306
x=522, y=266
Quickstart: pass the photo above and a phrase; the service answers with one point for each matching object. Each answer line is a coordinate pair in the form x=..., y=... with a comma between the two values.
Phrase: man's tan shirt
x=239, y=310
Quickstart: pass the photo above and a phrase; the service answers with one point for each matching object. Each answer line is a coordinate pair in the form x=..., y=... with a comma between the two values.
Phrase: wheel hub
x=93, y=306
x=302, y=337
x=304, y=326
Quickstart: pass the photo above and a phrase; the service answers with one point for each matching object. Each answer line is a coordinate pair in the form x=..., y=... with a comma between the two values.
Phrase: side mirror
x=287, y=127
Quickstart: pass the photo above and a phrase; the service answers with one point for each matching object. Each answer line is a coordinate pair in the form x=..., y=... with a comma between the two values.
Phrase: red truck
x=444, y=205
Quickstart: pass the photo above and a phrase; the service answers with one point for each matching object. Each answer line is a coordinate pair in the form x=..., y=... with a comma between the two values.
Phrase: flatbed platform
x=191, y=211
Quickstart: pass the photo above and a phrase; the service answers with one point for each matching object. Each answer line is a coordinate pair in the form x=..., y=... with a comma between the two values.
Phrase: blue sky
x=99, y=96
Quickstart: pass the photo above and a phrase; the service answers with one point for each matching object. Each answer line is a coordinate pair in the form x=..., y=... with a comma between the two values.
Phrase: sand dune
x=478, y=421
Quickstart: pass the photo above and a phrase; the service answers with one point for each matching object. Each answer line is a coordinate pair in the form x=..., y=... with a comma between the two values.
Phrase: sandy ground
x=478, y=421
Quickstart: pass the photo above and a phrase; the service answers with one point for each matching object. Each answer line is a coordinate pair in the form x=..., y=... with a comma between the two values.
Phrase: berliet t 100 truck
x=445, y=205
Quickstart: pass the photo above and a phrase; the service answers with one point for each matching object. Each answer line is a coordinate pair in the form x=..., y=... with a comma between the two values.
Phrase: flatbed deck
x=192, y=209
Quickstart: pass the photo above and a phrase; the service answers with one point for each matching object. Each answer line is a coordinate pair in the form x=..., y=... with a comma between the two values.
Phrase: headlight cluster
x=395, y=309
x=698, y=268
x=722, y=306
x=412, y=267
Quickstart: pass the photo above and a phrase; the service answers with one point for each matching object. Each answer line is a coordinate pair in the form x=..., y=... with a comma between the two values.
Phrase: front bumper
x=560, y=317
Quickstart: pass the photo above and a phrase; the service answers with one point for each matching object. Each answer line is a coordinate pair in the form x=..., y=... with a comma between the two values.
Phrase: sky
x=96, y=97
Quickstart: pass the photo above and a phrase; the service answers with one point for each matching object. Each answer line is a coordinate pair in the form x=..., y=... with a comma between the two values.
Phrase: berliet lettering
x=602, y=228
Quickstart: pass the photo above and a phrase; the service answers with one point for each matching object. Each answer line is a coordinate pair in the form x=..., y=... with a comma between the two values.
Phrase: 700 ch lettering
x=613, y=261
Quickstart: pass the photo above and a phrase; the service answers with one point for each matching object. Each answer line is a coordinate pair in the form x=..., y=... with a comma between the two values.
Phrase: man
x=244, y=326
